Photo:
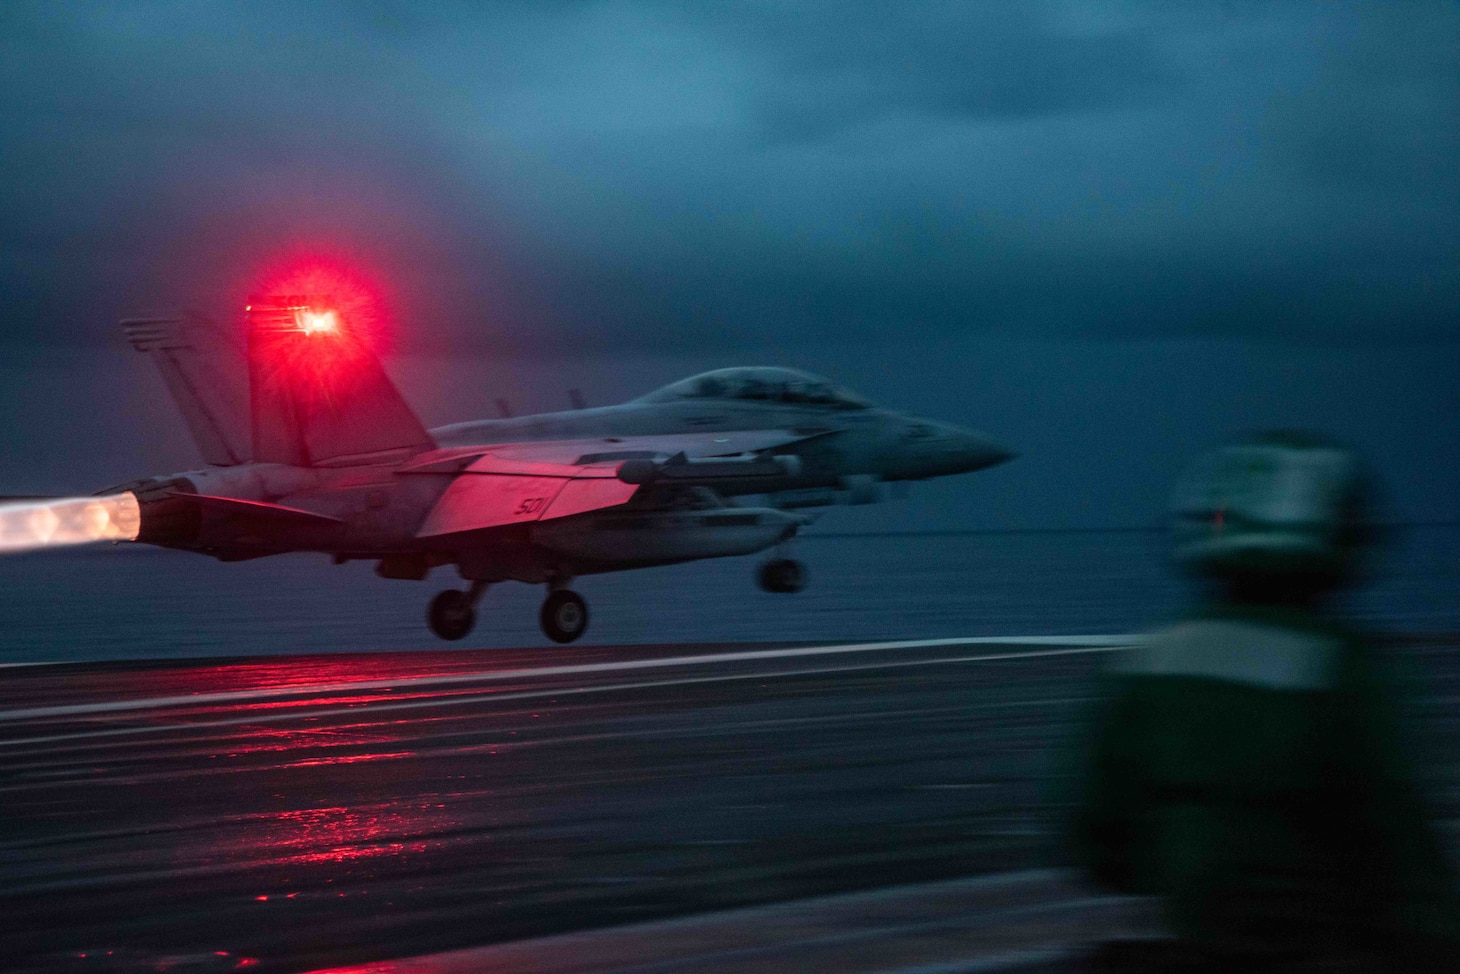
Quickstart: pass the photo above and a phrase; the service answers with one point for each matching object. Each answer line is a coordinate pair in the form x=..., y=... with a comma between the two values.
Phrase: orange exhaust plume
x=28, y=525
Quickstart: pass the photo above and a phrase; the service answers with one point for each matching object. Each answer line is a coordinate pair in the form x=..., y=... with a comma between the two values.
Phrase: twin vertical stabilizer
x=202, y=370
x=317, y=394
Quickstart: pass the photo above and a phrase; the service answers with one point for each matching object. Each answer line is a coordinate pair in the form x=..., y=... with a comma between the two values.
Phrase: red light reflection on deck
x=302, y=672
x=348, y=759
x=323, y=684
x=336, y=835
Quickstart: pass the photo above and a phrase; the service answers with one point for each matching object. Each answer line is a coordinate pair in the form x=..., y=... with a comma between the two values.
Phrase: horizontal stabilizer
x=451, y=460
x=256, y=510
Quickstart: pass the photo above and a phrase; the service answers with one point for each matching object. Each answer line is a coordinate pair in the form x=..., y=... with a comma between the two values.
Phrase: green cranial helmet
x=1277, y=505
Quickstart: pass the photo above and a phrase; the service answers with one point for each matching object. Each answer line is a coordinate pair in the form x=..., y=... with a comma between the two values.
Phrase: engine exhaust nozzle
x=60, y=521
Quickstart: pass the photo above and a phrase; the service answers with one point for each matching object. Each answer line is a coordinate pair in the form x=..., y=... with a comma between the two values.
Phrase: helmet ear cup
x=1277, y=506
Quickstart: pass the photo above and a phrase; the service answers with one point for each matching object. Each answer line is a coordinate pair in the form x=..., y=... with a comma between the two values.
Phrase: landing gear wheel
x=451, y=615
x=782, y=575
x=564, y=616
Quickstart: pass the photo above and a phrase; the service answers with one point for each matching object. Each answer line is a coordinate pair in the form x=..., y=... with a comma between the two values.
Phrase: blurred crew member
x=1248, y=768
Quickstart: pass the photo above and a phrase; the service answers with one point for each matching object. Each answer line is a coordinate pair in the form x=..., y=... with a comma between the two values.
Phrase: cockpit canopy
x=761, y=384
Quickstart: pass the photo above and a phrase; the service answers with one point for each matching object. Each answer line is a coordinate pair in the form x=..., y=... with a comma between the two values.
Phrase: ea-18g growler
x=323, y=455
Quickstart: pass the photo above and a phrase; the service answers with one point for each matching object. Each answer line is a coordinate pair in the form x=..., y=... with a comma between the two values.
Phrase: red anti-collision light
x=309, y=314
x=307, y=286
x=316, y=330
x=307, y=345
x=317, y=322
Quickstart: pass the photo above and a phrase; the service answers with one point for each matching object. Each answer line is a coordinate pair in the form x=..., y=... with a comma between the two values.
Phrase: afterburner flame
x=28, y=525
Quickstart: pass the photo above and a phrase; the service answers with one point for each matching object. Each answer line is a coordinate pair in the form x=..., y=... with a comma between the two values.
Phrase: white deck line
x=317, y=710
x=825, y=930
x=501, y=676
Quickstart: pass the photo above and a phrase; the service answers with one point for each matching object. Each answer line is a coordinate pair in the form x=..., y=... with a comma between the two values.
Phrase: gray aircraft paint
x=658, y=480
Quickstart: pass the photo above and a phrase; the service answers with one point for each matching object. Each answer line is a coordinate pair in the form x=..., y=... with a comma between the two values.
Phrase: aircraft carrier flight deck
x=304, y=812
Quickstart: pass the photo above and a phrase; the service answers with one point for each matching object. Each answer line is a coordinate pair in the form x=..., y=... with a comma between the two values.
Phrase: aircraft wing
x=599, y=450
x=492, y=493
x=691, y=445
x=578, y=457
x=515, y=483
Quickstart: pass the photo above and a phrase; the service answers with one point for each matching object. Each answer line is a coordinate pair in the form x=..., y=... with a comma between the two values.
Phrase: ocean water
x=134, y=602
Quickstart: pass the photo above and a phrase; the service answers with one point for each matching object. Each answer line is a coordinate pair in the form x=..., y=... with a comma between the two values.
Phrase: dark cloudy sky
x=1107, y=232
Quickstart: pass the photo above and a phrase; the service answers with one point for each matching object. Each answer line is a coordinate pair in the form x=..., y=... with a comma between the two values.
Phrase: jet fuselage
x=337, y=462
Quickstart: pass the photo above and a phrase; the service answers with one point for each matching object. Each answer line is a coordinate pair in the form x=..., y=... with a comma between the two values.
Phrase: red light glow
x=317, y=322
x=338, y=298
x=317, y=326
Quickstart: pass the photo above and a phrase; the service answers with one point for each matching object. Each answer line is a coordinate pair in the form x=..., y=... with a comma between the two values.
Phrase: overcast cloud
x=594, y=176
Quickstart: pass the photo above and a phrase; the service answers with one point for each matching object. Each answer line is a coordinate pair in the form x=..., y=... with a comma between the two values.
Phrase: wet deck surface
x=1029, y=922
x=294, y=813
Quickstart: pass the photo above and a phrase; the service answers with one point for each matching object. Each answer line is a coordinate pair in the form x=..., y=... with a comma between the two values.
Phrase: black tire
x=564, y=616
x=782, y=575
x=451, y=614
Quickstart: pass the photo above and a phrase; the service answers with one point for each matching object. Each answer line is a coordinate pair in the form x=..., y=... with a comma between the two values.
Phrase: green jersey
x=1248, y=770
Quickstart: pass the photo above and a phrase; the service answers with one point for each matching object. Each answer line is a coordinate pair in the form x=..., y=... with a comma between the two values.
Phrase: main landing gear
x=453, y=612
x=782, y=575
x=564, y=615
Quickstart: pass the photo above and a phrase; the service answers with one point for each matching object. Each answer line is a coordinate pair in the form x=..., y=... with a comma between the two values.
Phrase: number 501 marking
x=530, y=505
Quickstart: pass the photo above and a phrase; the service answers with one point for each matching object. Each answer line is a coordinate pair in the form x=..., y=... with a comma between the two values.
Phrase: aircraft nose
x=976, y=451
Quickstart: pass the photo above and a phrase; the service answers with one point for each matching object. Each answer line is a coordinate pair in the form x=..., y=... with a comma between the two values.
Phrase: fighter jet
x=322, y=454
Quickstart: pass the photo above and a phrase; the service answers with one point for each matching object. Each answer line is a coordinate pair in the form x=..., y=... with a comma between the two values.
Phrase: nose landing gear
x=782, y=575
x=564, y=616
x=453, y=612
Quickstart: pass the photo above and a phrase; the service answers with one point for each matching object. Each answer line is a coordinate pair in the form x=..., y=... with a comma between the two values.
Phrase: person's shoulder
x=1258, y=648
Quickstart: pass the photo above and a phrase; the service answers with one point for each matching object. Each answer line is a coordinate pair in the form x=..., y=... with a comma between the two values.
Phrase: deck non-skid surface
x=1027, y=922
x=295, y=813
